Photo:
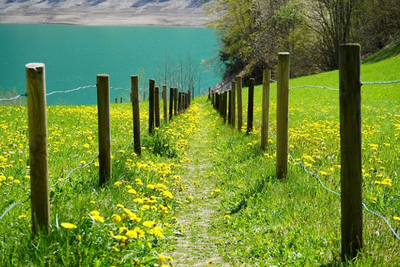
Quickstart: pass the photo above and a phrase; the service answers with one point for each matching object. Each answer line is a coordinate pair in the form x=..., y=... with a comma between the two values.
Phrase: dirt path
x=196, y=247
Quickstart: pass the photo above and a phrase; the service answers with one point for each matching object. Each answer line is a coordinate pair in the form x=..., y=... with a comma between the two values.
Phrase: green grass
x=292, y=222
x=295, y=221
x=102, y=215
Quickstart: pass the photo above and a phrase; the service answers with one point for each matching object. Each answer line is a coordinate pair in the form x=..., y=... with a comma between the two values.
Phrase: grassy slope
x=295, y=221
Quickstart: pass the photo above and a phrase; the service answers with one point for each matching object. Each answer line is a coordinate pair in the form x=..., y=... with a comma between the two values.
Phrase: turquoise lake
x=74, y=55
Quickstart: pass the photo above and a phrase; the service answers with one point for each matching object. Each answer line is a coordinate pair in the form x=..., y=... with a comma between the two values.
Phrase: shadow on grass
x=389, y=52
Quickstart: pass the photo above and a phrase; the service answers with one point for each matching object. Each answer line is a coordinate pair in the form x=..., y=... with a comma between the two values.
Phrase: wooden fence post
x=175, y=101
x=136, y=115
x=116, y=100
x=230, y=107
x=103, y=107
x=151, y=106
x=233, y=105
x=121, y=100
x=179, y=102
x=165, y=103
x=212, y=99
x=225, y=105
x=250, y=106
x=157, y=106
x=350, y=143
x=239, y=102
x=282, y=105
x=171, y=102
x=38, y=160
x=265, y=109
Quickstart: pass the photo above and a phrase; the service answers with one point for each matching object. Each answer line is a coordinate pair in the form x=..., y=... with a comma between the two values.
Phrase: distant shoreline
x=187, y=17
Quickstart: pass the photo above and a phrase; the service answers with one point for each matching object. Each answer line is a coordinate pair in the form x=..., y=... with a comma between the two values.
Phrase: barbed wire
x=314, y=86
x=72, y=90
x=12, y=98
x=381, y=82
x=69, y=174
x=12, y=206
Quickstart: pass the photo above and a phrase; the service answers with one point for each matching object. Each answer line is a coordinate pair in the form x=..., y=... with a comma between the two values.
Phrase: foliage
x=253, y=32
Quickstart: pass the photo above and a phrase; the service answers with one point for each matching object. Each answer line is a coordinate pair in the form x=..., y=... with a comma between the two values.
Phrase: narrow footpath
x=196, y=246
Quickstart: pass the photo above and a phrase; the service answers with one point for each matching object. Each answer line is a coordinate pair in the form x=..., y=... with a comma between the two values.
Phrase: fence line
x=316, y=176
x=381, y=82
x=72, y=90
x=313, y=86
x=12, y=206
x=12, y=98
x=74, y=169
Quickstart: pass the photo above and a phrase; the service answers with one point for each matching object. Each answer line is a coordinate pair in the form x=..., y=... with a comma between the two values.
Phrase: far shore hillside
x=105, y=12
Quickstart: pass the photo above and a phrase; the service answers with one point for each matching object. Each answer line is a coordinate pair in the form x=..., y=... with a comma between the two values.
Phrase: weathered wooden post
x=136, y=114
x=151, y=106
x=229, y=106
x=175, y=101
x=38, y=160
x=179, y=102
x=233, y=105
x=165, y=103
x=225, y=105
x=157, y=106
x=116, y=100
x=239, y=102
x=171, y=102
x=250, y=106
x=103, y=107
x=212, y=99
x=265, y=109
x=282, y=105
x=350, y=146
x=121, y=100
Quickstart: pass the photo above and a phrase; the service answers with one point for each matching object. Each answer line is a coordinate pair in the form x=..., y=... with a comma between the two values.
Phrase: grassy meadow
x=132, y=220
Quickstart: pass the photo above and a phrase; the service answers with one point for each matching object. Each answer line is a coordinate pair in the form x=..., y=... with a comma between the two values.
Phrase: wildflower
x=22, y=216
x=87, y=146
x=396, y=218
x=68, y=226
x=161, y=259
x=132, y=191
x=118, y=183
x=132, y=234
x=227, y=217
x=78, y=237
x=150, y=186
x=121, y=238
x=94, y=213
x=116, y=218
x=17, y=181
x=149, y=224
x=27, y=177
x=98, y=218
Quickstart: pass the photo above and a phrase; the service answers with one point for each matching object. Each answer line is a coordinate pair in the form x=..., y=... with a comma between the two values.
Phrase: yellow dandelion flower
x=68, y=226
x=149, y=224
x=98, y=218
x=161, y=258
x=121, y=238
x=116, y=218
x=117, y=183
x=396, y=218
x=132, y=234
x=95, y=213
x=227, y=217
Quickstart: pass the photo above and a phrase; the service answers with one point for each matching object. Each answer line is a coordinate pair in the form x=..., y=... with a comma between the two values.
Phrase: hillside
x=105, y=12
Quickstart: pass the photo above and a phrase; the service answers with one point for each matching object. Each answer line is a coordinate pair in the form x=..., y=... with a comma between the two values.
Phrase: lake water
x=74, y=55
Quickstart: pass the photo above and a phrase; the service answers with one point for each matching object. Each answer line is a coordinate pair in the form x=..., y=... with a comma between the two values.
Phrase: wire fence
x=316, y=176
x=65, y=92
